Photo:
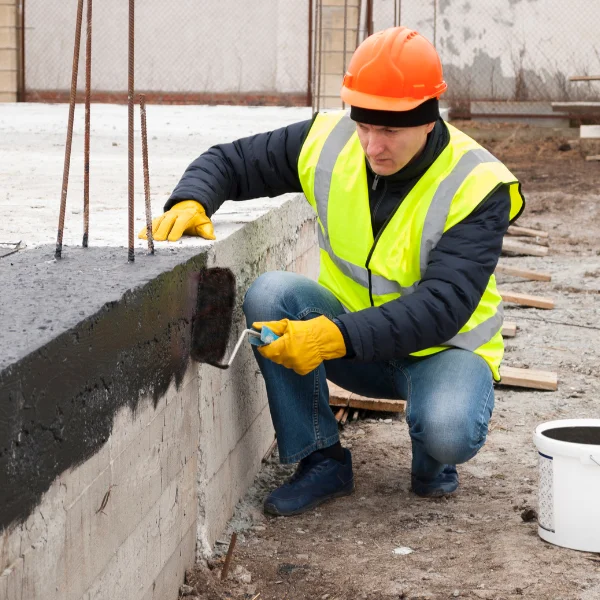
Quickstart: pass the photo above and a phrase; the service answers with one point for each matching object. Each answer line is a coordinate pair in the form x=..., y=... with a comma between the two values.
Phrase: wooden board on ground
x=524, y=273
x=526, y=299
x=527, y=232
x=591, y=132
x=529, y=378
x=593, y=157
x=339, y=397
x=527, y=249
x=509, y=329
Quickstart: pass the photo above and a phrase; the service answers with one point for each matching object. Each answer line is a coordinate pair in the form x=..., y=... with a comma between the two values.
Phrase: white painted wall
x=231, y=46
x=224, y=46
x=484, y=43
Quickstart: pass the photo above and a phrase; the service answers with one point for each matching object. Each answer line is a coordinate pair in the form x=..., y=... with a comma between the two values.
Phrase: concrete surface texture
x=121, y=459
x=32, y=143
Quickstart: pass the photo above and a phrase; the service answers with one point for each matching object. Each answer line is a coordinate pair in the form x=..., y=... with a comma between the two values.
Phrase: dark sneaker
x=316, y=480
x=442, y=485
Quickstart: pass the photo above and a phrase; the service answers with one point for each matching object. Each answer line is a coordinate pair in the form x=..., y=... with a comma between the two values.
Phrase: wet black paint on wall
x=58, y=403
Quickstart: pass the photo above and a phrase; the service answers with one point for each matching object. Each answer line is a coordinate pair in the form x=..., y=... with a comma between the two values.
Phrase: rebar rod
x=225, y=569
x=320, y=55
x=345, y=33
x=130, y=91
x=146, y=174
x=67, y=164
x=86, y=166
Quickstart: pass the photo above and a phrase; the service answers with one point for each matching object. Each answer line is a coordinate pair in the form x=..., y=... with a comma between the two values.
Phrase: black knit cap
x=427, y=112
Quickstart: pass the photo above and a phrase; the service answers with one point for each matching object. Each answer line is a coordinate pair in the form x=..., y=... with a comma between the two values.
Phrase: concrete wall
x=229, y=46
x=497, y=49
x=174, y=458
x=8, y=51
x=507, y=49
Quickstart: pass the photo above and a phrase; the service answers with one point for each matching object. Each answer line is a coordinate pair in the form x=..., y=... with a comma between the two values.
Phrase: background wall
x=225, y=46
x=8, y=51
x=497, y=49
x=506, y=49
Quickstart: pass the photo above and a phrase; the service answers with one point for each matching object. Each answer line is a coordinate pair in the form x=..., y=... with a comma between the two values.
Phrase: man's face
x=389, y=149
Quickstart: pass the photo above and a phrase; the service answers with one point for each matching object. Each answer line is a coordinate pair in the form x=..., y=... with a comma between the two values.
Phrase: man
x=411, y=215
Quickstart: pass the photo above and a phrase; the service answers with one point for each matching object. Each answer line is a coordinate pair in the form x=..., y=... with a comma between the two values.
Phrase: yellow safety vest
x=362, y=271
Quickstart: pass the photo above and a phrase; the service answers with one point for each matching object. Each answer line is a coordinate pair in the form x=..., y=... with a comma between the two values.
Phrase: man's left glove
x=303, y=345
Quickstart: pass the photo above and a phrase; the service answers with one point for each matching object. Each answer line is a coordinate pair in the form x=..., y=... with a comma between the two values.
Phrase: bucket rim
x=569, y=448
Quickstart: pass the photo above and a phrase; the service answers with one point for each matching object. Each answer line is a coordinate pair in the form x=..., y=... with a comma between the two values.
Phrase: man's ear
x=430, y=127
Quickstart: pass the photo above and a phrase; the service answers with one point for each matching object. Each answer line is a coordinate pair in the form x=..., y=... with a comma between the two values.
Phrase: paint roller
x=214, y=315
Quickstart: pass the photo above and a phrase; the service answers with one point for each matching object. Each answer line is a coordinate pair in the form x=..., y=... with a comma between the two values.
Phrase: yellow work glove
x=187, y=217
x=303, y=345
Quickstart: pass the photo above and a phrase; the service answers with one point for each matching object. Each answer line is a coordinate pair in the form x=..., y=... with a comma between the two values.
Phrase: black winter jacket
x=459, y=268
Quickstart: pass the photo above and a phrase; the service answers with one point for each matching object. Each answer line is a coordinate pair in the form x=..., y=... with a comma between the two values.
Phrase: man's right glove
x=186, y=217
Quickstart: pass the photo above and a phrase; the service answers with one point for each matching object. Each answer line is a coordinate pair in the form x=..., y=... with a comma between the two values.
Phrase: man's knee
x=259, y=296
x=453, y=440
x=272, y=296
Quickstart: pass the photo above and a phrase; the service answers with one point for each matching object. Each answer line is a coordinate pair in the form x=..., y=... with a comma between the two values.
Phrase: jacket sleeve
x=265, y=164
x=456, y=277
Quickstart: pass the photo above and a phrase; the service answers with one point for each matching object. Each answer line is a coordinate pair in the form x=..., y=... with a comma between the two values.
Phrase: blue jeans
x=450, y=395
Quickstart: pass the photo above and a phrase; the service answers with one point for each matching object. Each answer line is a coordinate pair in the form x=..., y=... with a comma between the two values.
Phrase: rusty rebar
x=67, y=164
x=225, y=569
x=345, y=33
x=130, y=90
x=309, y=90
x=146, y=174
x=86, y=166
x=320, y=51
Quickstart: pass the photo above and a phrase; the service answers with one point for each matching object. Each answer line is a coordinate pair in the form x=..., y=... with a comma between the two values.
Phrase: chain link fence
x=273, y=52
x=520, y=53
x=186, y=50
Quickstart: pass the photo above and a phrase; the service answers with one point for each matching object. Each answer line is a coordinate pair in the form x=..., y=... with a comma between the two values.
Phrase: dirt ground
x=475, y=544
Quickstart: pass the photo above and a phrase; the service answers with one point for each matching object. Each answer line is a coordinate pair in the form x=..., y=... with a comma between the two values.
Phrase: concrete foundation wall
x=8, y=51
x=127, y=520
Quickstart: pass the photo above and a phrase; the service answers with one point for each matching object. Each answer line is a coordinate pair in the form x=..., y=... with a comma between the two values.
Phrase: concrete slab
x=32, y=144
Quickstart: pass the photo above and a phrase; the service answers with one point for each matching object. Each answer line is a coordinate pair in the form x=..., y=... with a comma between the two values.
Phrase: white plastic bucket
x=569, y=483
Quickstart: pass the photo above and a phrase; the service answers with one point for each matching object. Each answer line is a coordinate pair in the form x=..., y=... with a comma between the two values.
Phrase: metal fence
x=514, y=51
x=185, y=50
x=295, y=52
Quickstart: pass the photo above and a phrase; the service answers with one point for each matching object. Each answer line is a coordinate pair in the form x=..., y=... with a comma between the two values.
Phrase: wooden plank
x=524, y=273
x=509, y=329
x=529, y=378
x=526, y=299
x=339, y=397
x=593, y=157
x=591, y=132
x=345, y=416
x=527, y=249
x=579, y=108
x=340, y=413
x=585, y=78
x=527, y=232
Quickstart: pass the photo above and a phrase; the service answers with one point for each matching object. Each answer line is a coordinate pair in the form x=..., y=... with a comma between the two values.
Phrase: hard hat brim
x=362, y=100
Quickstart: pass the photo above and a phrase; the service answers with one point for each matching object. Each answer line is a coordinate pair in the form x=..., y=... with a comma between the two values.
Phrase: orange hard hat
x=394, y=70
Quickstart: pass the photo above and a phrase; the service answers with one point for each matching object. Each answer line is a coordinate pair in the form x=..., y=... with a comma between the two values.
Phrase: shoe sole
x=272, y=510
x=436, y=493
